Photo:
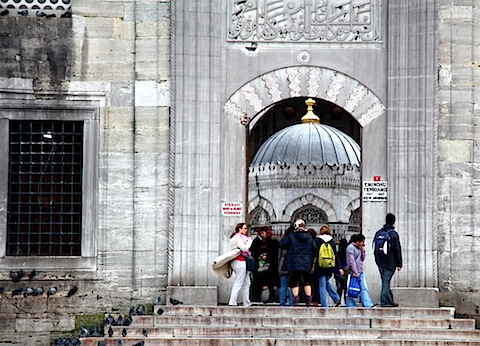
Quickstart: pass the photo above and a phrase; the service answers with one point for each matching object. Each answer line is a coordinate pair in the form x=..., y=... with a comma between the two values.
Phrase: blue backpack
x=382, y=243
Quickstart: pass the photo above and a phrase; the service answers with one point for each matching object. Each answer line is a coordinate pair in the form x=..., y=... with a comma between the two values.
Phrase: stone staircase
x=274, y=325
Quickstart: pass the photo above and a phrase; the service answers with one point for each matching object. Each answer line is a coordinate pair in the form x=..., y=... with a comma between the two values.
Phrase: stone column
x=202, y=139
x=412, y=140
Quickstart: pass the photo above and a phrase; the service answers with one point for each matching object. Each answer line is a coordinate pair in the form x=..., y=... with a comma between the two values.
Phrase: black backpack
x=382, y=243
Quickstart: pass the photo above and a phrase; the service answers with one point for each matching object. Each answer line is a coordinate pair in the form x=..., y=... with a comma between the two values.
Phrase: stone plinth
x=193, y=295
x=416, y=297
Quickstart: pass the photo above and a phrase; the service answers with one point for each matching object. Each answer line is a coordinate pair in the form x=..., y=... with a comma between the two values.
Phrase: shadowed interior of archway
x=285, y=114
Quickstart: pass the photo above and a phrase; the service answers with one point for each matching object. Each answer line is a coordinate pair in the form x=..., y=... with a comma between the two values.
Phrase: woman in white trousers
x=240, y=239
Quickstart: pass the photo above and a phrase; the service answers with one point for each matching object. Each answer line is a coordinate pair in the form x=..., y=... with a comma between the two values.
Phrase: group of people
x=298, y=261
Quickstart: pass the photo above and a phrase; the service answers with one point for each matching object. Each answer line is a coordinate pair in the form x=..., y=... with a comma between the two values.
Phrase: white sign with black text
x=375, y=191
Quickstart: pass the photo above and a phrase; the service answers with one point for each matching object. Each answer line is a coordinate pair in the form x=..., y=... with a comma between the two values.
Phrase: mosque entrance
x=302, y=170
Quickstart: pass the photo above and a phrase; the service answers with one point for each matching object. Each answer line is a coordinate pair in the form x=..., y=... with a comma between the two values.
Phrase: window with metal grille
x=45, y=188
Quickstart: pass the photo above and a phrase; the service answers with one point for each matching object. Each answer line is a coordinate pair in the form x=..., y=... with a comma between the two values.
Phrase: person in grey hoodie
x=324, y=274
x=299, y=260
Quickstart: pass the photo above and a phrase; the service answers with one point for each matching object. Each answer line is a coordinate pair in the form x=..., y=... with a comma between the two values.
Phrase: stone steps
x=282, y=342
x=273, y=325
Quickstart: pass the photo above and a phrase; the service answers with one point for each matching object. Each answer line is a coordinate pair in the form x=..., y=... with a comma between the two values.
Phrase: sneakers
x=337, y=304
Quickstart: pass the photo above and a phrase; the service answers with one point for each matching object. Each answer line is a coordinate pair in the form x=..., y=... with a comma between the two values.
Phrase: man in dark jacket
x=387, y=263
x=301, y=251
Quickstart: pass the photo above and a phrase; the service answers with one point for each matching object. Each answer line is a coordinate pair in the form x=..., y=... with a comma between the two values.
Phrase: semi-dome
x=309, y=143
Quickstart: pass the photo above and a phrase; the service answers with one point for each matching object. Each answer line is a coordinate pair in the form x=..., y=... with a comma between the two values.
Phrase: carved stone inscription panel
x=304, y=20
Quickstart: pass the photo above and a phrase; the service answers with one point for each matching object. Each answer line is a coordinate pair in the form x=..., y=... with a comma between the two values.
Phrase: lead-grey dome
x=309, y=143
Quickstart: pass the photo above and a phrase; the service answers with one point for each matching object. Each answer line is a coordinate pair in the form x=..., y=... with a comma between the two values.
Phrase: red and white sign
x=232, y=209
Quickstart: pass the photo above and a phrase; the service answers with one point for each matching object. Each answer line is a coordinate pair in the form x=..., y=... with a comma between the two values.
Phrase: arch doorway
x=275, y=100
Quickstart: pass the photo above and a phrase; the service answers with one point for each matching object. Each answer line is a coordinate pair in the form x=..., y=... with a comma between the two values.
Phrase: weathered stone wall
x=41, y=49
x=458, y=155
x=114, y=54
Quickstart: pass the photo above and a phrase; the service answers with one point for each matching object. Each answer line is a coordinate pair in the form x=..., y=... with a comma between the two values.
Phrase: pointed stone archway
x=249, y=103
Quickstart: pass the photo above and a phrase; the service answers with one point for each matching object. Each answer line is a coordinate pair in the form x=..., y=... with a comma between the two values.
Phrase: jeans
x=284, y=289
x=364, y=295
x=242, y=282
x=386, y=296
x=325, y=286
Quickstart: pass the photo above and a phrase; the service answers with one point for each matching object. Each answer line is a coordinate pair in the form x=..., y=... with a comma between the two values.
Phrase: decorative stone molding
x=352, y=206
x=271, y=82
x=305, y=81
x=264, y=204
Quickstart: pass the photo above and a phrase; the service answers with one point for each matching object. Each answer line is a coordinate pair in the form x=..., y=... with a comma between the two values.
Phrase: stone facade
x=169, y=90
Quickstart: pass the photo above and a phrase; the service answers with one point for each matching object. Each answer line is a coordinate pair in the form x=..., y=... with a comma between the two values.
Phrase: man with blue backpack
x=388, y=256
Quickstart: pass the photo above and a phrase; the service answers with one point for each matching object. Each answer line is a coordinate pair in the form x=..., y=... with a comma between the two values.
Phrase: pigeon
x=110, y=331
x=108, y=320
x=68, y=341
x=132, y=311
x=175, y=301
x=128, y=321
x=72, y=291
x=91, y=330
x=145, y=332
x=141, y=310
x=51, y=291
x=124, y=332
x=18, y=291
x=4, y=13
x=158, y=301
x=67, y=14
x=101, y=343
x=140, y=343
x=59, y=342
x=28, y=291
x=160, y=312
x=120, y=342
x=51, y=15
x=94, y=332
x=32, y=274
x=17, y=276
x=120, y=320
x=77, y=342
x=38, y=291
x=84, y=333
x=23, y=13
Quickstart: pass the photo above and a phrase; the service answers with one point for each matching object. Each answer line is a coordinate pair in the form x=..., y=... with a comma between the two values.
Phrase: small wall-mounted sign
x=375, y=191
x=232, y=208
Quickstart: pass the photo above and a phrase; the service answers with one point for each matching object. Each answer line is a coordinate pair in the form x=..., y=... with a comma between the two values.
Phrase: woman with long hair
x=240, y=239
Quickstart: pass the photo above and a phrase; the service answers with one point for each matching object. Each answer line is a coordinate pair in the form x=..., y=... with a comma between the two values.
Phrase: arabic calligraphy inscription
x=304, y=20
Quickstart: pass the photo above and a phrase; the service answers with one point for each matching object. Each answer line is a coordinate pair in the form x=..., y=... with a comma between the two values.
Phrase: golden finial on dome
x=310, y=117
